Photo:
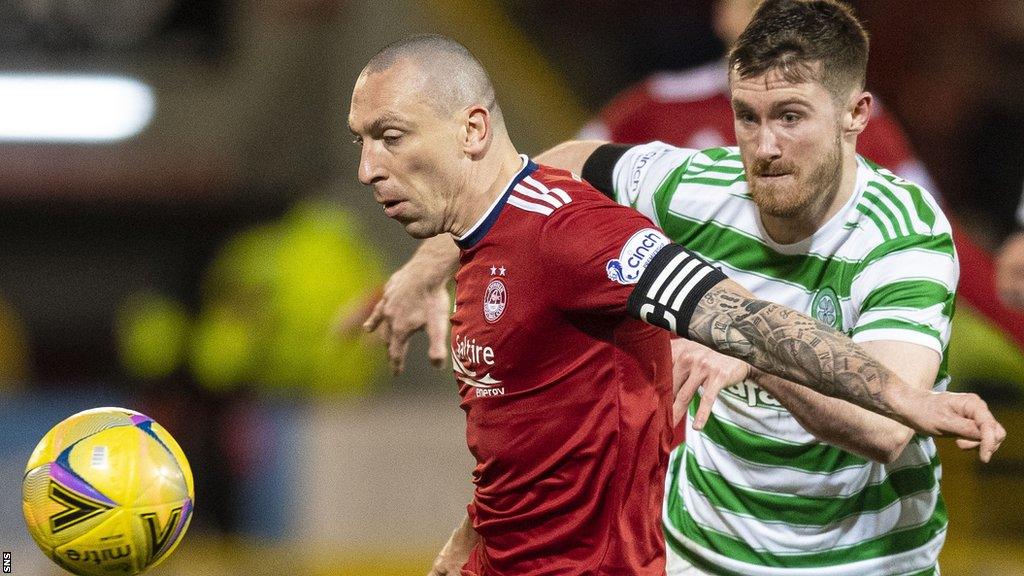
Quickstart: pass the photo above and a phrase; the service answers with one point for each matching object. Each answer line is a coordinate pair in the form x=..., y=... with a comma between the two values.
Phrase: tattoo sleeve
x=681, y=292
x=790, y=345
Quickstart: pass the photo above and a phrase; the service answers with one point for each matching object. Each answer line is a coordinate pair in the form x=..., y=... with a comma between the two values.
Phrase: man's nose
x=370, y=168
x=767, y=144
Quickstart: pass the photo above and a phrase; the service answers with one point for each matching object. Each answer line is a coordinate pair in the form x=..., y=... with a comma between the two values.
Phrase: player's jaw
x=783, y=189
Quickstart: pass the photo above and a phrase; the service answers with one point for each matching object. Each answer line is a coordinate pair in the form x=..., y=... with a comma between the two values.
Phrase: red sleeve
x=595, y=251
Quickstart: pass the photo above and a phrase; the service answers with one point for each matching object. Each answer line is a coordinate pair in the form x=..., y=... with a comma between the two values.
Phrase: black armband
x=670, y=288
x=600, y=167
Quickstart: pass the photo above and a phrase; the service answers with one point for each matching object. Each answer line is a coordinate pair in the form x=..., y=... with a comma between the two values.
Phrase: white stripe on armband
x=670, y=288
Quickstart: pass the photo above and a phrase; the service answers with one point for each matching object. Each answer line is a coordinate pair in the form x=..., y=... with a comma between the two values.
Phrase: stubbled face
x=790, y=138
x=409, y=153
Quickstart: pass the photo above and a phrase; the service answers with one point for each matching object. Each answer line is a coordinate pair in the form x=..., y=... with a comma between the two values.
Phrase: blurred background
x=180, y=225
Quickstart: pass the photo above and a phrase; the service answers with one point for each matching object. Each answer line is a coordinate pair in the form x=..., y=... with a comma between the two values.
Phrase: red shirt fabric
x=567, y=399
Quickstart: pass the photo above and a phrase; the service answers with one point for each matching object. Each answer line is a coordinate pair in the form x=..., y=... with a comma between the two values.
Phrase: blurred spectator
x=269, y=298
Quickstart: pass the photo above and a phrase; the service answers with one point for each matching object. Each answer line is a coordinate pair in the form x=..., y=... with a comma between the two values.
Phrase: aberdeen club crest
x=495, y=299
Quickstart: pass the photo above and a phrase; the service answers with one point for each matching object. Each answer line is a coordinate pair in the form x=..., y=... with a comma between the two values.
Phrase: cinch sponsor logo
x=635, y=255
x=637, y=175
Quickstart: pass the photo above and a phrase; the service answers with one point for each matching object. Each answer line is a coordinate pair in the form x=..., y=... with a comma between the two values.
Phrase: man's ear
x=476, y=130
x=858, y=112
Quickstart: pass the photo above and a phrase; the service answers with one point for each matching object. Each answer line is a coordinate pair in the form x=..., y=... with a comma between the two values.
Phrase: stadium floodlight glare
x=72, y=108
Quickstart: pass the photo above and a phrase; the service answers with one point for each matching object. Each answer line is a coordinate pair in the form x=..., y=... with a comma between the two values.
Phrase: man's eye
x=790, y=117
x=391, y=138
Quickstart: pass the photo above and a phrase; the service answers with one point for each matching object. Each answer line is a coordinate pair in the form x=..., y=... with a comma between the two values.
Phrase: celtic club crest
x=495, y=299
x=825, y=308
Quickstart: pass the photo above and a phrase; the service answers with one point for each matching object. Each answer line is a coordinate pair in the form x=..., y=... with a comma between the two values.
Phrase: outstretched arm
x=851, y=427
x=796, y=347
x=680, y=292
x=831, y=420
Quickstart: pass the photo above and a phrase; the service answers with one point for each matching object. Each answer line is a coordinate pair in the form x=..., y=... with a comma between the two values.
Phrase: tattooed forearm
x=790, y=345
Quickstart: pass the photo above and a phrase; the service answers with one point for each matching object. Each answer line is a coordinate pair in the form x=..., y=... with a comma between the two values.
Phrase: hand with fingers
x=406, y=306
x=695, y=365
x=963, y=416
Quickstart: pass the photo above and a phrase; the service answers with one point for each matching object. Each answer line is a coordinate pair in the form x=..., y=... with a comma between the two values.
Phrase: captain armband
x=670, y=288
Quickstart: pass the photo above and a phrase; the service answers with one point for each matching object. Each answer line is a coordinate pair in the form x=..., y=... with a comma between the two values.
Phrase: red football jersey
x=567, y=399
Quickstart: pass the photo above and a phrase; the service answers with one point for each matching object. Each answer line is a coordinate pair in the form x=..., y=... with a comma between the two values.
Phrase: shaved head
x=454, y=78
x=432, y=141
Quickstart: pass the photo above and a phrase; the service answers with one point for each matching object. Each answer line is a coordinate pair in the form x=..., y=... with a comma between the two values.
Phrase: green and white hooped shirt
x=754, y=493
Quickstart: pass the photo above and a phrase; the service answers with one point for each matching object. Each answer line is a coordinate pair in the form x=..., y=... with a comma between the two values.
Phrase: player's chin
x=419, y=230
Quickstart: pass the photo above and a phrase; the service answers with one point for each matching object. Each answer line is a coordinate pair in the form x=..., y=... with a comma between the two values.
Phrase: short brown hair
x=791, y=36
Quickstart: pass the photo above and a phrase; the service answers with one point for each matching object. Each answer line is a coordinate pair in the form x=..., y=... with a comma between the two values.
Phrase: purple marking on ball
x=140, y=418
x=72, y=482
x=186, y=512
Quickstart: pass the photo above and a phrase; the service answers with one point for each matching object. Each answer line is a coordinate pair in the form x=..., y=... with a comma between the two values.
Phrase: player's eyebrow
x=380, y=123
x=791, y=101
x=740, y=106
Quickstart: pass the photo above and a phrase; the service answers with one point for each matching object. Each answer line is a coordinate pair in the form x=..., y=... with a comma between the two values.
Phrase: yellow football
x=107, y=491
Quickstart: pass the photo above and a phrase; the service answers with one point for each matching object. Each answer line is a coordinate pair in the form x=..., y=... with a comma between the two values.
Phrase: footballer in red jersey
x=566, y=397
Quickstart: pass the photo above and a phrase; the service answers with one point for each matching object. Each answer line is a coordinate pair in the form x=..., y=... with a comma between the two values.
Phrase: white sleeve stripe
x=538, y=185
x=897, y=335
x=932, y=316
x=529, y=206
x=538, y=196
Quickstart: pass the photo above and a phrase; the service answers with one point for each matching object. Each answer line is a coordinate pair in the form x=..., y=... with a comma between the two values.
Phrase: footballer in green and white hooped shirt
x=754, y=492
x=797, y=217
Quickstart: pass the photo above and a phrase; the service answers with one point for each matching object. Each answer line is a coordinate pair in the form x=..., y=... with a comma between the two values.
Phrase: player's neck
x=789, y=230
x=483, y=184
